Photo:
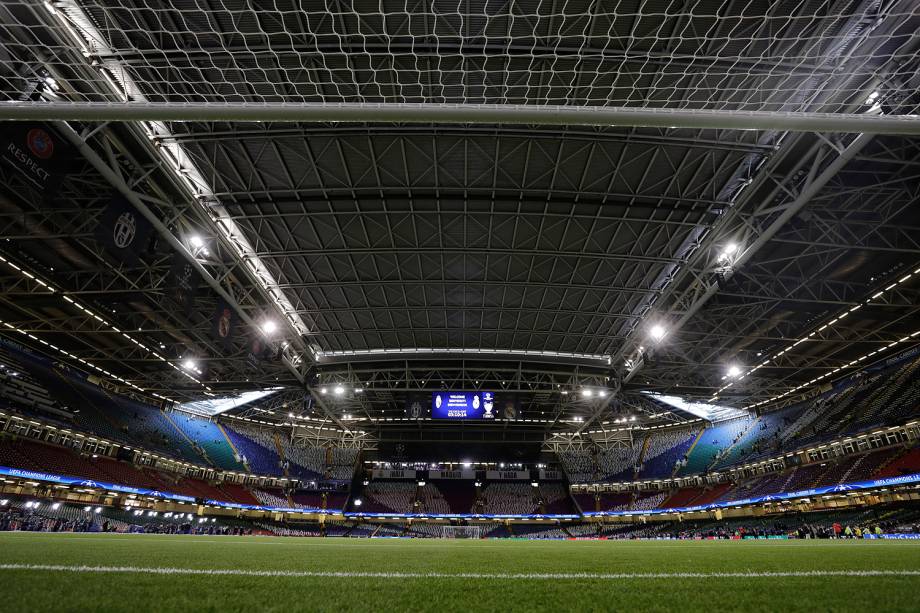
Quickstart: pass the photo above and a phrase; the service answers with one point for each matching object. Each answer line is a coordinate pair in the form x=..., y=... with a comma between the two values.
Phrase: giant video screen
x=463, y=405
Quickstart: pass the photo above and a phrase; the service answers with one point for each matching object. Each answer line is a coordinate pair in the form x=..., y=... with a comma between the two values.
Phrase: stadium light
x=339, y=390
x=734, y=370
x=56, y=506
x=534, y=484
x=189, y=364
x=587, y=393
x=657, y=332
x=196, y=241
x=727, y=253
x=421, y=484
x=269, y=326
x=358, y=502
x=98, y=510
x=4, y=502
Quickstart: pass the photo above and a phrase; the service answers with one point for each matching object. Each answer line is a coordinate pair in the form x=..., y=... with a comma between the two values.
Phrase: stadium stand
x=662, y=451
x=508, y=498
x=432, y=500
x=256, y=449
x=458, y=494
x=620, y=463
x=389, y=497
x=712, y=444
x=579, y=465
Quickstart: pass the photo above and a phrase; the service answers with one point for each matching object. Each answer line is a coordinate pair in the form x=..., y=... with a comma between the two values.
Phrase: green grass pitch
x=61, y=572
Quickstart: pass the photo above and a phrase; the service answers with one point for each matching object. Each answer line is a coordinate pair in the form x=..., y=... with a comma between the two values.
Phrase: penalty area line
x=242, y=572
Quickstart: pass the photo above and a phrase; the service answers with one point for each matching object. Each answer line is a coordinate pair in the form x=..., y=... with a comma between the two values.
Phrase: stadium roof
x=294, y=159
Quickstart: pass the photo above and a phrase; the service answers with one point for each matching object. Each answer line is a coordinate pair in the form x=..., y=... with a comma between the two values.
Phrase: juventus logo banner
x=182, y=281
x=123, y=231
x=223, y=324
x=418, y=406
x=38, y=153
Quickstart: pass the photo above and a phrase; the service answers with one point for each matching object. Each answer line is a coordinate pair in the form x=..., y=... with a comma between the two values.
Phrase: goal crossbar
x=464, y=113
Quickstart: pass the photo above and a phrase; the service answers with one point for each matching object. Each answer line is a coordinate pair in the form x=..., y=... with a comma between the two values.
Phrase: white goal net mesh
x=461, y=532
x=707, y=55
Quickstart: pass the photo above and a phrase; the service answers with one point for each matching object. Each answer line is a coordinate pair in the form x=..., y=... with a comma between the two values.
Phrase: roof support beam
x=704, y=287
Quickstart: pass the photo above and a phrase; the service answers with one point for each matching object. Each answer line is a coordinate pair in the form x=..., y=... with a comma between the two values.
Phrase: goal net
x=475, y=61
x=461, y=532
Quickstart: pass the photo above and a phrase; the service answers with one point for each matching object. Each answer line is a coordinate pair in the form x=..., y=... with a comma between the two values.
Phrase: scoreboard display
x=463, y=405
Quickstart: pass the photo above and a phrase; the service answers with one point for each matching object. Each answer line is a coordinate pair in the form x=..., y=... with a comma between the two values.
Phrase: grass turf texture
x=60, y=590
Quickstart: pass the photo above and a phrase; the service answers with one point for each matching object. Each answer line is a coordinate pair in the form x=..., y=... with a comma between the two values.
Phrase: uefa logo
x=40, y=143
x=124, y=230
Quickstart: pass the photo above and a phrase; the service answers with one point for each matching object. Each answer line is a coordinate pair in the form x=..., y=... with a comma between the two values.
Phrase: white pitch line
x=241, y=572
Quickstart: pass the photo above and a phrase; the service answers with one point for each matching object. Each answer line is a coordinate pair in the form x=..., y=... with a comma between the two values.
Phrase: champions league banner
x=463, y=405
x=112, y=487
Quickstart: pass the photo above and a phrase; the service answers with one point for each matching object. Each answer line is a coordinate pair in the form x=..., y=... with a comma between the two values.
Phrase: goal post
x=461, y=532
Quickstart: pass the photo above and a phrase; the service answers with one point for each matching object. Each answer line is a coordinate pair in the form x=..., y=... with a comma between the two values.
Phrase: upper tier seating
x=761, y=437
x=210, y=438
x=257, y=452
x=619, y=463
x=713, y=442
x=579, y=465
x=663, y=450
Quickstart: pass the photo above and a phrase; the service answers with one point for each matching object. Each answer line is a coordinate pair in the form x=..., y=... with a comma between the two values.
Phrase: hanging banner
x=123, y=231
x=507, y=475
x=383, y=473
x=466, y=473
x=182, y=281
x=223, y=325
x=36, y=152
